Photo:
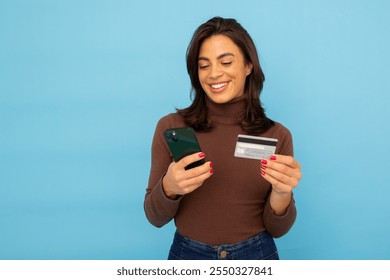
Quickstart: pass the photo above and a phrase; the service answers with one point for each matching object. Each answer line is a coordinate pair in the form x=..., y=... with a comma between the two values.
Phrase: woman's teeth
x=217, y=86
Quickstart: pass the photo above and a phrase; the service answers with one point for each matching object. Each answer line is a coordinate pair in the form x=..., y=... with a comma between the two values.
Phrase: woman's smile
x=219, y=87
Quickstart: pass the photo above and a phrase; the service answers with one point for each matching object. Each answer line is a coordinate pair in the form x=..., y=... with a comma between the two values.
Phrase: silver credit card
x=255, y=147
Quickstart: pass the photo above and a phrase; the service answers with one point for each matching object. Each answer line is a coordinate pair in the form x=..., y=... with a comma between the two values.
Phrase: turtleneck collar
x=226, y=113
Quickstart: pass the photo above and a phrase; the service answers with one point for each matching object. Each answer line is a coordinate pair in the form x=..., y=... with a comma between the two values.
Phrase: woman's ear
x=249, y=68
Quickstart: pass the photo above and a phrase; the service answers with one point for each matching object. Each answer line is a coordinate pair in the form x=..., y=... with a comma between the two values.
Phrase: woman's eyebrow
x=219, y=57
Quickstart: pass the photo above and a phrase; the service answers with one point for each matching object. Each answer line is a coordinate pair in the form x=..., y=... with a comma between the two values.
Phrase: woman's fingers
x=283, y=172
x=179, y=181
x=181, y=164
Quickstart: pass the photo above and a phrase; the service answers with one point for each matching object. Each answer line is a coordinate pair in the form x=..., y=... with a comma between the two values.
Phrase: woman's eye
x=203, y=66
x=226, y=63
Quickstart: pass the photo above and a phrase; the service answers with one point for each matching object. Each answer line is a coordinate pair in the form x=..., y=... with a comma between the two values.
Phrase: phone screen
x=182, y=142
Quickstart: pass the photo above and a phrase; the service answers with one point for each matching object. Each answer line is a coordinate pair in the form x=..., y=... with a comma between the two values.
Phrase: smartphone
x=182, y=142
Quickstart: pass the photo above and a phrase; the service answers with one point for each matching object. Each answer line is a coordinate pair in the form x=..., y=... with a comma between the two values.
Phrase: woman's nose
x=215, y=72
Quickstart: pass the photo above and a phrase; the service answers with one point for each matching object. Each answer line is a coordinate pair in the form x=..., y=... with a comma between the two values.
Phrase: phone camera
x=173, y=136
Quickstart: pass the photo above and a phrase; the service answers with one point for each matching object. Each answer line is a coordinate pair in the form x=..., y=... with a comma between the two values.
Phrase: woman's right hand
x=178, y=181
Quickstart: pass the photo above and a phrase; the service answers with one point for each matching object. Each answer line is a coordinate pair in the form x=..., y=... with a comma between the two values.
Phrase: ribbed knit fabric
x=233, y=204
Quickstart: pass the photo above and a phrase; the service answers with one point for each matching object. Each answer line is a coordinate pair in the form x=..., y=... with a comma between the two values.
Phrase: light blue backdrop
x=83, y=83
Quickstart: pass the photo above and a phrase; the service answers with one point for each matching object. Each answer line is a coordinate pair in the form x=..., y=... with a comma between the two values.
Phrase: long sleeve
x=233, y=204
x=159, y=209
x=278, y=226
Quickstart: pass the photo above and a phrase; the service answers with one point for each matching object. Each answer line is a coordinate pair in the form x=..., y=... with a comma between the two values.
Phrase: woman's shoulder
x=171, y=120
x=283, y=134
x=278, y=130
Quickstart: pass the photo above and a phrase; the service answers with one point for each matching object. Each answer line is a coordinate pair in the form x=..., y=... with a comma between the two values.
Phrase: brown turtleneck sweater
x=233, y=204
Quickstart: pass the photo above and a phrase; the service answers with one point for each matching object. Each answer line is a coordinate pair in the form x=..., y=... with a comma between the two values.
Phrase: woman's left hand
x=283, y=172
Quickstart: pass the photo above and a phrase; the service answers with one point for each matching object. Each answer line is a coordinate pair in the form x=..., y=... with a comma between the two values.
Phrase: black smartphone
x=182, y=142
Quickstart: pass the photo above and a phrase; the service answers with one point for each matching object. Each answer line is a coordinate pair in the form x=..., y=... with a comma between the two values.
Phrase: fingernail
x=272, y=158
x=262, y=172
x=201, y=155
x=211, y=164
x=263, y=167
x=211, y=171
x=263, y=161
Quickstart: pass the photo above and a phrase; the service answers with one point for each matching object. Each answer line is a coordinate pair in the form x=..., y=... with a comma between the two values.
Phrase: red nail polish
x=211, y=171
x=263, y=161
x=272, y=158
x=262, y=172
x=211, y=164
x=201, y=155
x=263, y=167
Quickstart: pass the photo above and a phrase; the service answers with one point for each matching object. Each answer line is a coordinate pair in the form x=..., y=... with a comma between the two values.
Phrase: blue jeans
x=259, y=247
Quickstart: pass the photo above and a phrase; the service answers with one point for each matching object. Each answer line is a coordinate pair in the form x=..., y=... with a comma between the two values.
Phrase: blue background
x=83, y=83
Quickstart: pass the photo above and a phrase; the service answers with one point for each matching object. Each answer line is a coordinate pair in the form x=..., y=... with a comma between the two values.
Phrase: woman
x=229, y=207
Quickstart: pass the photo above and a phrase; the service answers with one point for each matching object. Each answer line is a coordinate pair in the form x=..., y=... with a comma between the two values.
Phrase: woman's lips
x=218, y=87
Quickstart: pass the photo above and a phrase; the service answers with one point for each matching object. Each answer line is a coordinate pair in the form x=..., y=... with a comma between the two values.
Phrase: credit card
x=255, y=147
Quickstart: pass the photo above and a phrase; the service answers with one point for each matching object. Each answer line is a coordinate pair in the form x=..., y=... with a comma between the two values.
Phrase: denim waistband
x=261, y=246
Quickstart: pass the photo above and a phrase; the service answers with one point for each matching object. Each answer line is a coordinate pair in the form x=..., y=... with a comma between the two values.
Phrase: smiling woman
x=230, y=43
x=227, y=207
x=222, y=69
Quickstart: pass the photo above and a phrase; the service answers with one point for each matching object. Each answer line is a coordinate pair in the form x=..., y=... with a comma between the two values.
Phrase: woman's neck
x=226, y=113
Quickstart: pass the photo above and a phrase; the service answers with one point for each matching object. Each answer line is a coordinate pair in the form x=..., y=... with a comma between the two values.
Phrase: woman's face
x=222, y=69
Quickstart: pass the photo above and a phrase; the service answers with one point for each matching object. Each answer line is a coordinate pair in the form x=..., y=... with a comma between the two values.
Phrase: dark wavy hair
x=254, y=120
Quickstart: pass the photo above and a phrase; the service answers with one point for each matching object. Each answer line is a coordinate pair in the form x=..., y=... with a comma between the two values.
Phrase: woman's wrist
x=279, y=201
x=167, y=193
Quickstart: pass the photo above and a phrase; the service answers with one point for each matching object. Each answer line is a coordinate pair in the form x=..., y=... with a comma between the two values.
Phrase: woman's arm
x=159, y=209
x=283, y=172
x=169, y=181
